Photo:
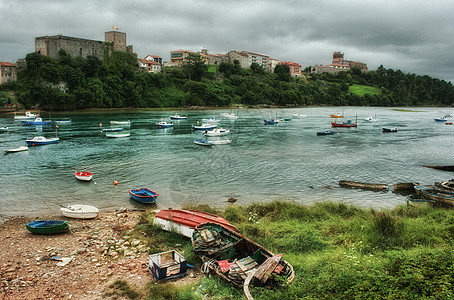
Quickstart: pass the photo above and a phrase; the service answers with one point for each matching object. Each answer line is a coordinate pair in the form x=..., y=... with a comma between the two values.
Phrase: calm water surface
x=263, y=163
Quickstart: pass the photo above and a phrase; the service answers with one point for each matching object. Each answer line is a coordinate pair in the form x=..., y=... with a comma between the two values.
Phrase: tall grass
x=337, y=251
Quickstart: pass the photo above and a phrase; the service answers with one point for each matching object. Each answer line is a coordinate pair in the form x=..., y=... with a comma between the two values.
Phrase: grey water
x=263, y=163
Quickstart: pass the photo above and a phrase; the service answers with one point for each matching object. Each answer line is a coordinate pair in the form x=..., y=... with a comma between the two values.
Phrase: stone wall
x=51, y=45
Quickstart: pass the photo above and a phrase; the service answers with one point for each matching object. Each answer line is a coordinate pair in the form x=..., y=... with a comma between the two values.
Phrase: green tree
x=194, y=67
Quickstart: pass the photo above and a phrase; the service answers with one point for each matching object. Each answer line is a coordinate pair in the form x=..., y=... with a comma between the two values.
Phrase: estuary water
x=263, y=163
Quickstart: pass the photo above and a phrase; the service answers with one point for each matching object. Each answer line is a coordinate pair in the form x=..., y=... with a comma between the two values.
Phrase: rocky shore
x=81, y=264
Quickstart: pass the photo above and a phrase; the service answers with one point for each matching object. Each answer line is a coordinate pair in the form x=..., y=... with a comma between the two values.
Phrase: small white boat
x=298, y=116
x=117, y=134
x=28, y=115
x=204, y=126
x=202, y=143
x=211, y=120
x=229, y=116
x=4, y=128
x=216, y=132
x=41, y=140
x=121, y=122
x=178, y=117
x=163, y=124
x=62, y=121
x=221, y=142
x=370, y=118
x=83, y=176
x=79, y=211
x=21, y=148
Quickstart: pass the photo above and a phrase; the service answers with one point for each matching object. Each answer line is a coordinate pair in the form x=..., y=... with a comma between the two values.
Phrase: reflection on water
x=263, y=163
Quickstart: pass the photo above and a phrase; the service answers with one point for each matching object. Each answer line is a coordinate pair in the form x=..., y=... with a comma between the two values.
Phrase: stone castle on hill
x=339, y=64
x=51, y=45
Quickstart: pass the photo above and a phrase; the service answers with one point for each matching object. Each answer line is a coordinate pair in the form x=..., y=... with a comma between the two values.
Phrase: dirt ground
x=76, y=265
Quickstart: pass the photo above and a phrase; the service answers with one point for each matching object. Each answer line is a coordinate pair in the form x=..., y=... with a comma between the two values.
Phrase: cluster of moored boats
x=440, y=193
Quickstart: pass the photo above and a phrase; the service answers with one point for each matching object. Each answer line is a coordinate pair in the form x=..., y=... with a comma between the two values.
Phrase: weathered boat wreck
x=378, y=186
x=238, y=259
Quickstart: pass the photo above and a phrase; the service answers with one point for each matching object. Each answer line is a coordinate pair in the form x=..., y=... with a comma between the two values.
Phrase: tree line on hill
x=69, y=83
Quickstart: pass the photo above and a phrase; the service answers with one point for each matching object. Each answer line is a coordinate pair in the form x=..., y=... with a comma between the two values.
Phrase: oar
x=67, y=206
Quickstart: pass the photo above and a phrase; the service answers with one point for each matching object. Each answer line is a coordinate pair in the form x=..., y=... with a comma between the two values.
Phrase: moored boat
x=220, y=142
x=271, y=121
x=47, y=227
x=28, y=115
x=204, y=126
x=202, y=142
x=229, y=116
x=211, y=120
x=237, y=259
x=79, y=211
x=348, y=123
x=163, y=124
x=4, y=128
x=178, y=117
x=364, y=185
x=337, y=115
x=37, y=121
x=298, y=116
x=121, y=122
x=216, y=132
x=21, y=148
x=394, y=129
x=143, y=195
x=326, y=132
x=116, y=129
x=184, y=221
x=441, y=119
x=84, y=176
x=41, y=140
x=117, y=134
x=63, y=121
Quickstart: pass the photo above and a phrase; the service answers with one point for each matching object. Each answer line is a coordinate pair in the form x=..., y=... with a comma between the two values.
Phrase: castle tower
x=118, y=39
x=338, y=58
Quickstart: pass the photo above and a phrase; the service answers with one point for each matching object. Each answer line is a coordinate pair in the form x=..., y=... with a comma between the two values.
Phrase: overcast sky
x=413, y=36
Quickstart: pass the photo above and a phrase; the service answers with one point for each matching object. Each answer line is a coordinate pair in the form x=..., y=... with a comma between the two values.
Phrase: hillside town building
x=77, y=47
x=151, y=64
x=8, y=72
x=339, y=64
x=294, y=68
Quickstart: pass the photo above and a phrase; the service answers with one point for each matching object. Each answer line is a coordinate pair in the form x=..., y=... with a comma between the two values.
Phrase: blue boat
x=204, y=126
x=326, y=132
x=143, y=195
x=271, y=122
x=41, y=140
x=37, y=121
x=441, y=119
x=203, y=142
x=163, y=124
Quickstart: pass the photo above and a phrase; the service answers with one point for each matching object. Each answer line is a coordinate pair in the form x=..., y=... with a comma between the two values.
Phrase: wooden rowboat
x=143, y=195
x=363, y=185
x=237, y=259
x=79, y=211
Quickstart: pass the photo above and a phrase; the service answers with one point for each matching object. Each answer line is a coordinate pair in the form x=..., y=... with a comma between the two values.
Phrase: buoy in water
x=116, y=182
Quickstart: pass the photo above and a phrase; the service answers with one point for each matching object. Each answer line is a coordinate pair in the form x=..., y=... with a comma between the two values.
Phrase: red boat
x=84, y=176
x=184, y=221
x=347, y=123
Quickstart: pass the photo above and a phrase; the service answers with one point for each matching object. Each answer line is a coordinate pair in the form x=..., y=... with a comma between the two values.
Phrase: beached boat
x=432, y=193
x=37, y=121
x=337, y=115
x=116, y=129
x=442, y=168
x=202, y=142
x=394, y=129
x=216, y=132
x=348, y=123
x=79, y=211
x=364, y=185
x=326, y=132
x=163, y=124
x=28, y=115
x=127, y=123
x=419, y=202
x=271, y=121
x=47, y=227
x=143, y=195
x=21, y=148
x=204, y=126
x=41, y=140
x=237, y=259
x=178, y=117
x=117, y=134
x=83, y=176
x=184, y=221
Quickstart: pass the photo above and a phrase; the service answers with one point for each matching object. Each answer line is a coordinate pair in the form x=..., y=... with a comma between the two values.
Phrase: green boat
x=47, y=227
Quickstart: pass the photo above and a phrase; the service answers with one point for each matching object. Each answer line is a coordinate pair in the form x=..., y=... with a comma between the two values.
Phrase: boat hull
x=431, y=193
x=327, y=132
x=202, y=143
x=143, y=195
x=39, y=142
x=117, y=134
x=204, y=127
x=47, y=227
x=83, y=176
x=343, y=125
x=80, y=211
x=22, y=148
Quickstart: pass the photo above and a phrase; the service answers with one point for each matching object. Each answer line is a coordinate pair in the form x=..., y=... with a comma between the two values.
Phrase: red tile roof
x=7, y=64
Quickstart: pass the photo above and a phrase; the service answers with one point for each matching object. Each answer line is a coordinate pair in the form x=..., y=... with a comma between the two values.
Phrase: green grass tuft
x=362, y=90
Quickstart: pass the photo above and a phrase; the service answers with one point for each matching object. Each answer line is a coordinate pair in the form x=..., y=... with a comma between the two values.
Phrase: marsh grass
x=337, y=251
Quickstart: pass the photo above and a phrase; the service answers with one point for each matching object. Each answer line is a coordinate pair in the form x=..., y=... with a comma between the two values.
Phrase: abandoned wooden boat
x=184, y=221
x=363, y=185
x=432, y=193
x=237, y=259
x=442, y=168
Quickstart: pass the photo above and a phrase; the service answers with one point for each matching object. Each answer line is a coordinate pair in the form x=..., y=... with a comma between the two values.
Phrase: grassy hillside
x=362, y=90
